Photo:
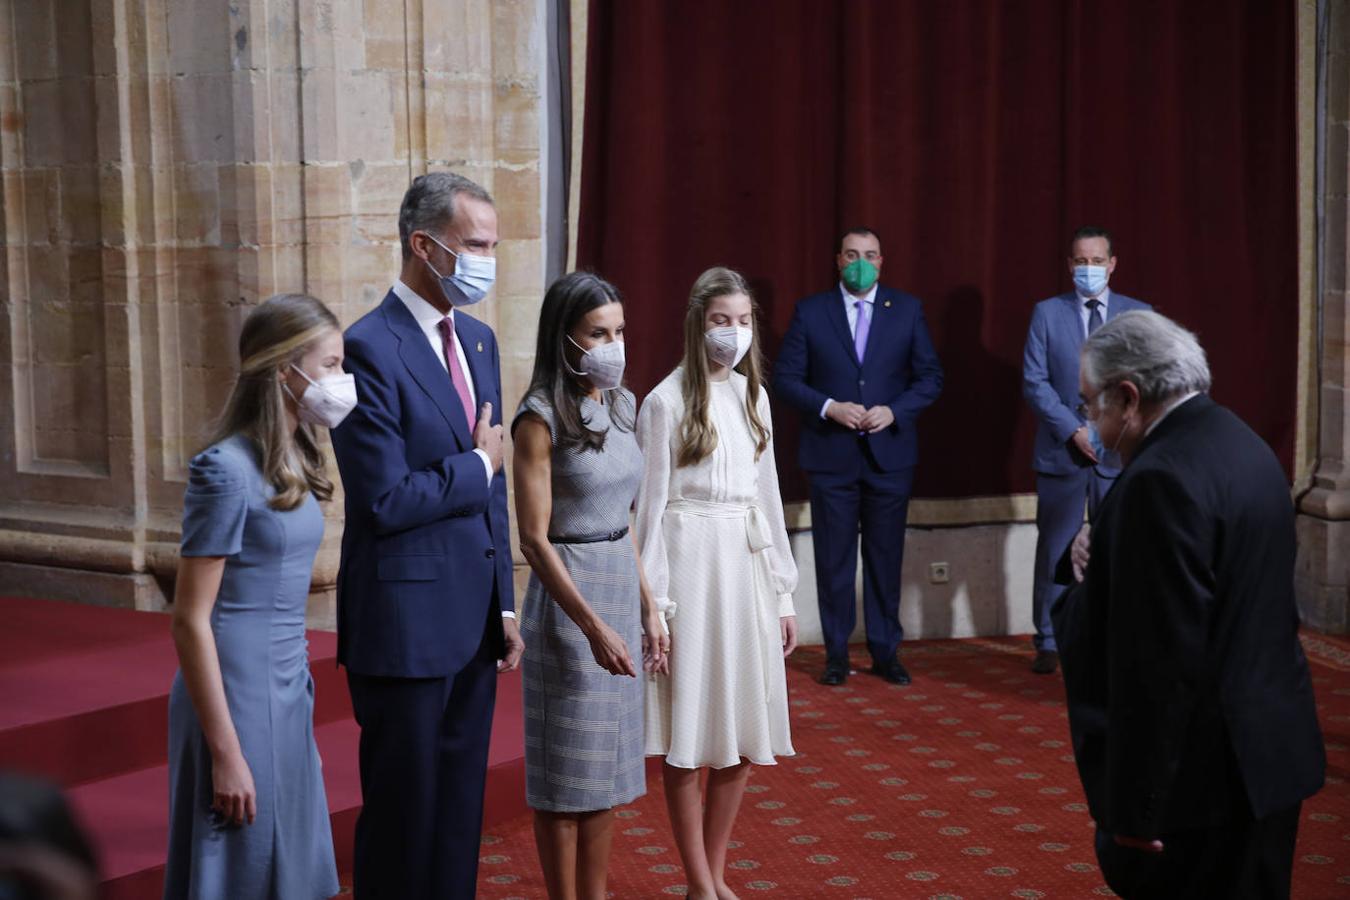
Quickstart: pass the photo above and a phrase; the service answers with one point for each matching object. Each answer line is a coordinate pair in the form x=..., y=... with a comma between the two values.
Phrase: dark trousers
x=841, y=503
x=424, y=751
x=1059, y=515
x=1252, y=859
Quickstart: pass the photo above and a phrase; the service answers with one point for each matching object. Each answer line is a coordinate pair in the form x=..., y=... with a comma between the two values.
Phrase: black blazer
x=1190, y=701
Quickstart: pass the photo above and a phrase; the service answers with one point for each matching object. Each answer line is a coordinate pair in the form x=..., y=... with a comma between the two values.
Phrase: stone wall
x=1324, y=511
x=166, y=164
x=169, y=163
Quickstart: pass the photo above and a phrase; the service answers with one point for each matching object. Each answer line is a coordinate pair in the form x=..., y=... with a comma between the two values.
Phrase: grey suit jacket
x=1050, y=375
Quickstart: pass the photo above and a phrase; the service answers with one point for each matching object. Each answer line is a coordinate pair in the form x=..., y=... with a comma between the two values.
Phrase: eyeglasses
x=1088, y=409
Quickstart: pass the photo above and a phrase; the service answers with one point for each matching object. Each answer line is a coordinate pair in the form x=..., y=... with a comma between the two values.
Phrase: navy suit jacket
x=1050, y=376
x=900, y=369
x=426, y=550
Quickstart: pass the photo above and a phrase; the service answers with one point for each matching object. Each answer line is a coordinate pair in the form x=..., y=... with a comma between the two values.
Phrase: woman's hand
x=655, y=644
x=610, y=652
x=787, y=626
x=235, y=799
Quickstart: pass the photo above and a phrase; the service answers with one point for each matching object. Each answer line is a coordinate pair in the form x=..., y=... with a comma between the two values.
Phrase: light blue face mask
x=1089, y=280
x=1106, y=459
x=472, y=279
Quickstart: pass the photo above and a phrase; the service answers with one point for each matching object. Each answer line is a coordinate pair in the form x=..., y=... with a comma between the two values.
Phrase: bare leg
x=684, y=802
x=726, y=787
x=555, y=834
x=595, y=835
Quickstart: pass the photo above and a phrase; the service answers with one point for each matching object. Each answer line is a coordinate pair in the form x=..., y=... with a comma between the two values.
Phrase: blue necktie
x=1094, y=317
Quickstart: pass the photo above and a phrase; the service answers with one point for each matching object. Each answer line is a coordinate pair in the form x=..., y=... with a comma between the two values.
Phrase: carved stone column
x=1323, y=579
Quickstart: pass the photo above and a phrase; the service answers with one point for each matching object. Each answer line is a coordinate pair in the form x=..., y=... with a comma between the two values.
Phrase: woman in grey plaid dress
x=577, y=467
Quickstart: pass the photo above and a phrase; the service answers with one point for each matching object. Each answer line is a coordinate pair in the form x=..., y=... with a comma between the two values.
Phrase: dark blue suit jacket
x=1050, y=376
x=900, y=369
x=426, y=548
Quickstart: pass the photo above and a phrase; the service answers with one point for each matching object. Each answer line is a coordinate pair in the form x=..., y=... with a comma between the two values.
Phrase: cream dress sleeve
x=782, y=567
x=655, y=426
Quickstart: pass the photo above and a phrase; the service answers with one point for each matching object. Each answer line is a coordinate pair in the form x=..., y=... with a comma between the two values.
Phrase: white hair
x=1156, y=354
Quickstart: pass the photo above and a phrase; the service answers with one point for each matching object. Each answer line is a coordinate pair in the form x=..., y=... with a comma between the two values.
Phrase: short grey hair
x=1156, y=354
x=429, y=203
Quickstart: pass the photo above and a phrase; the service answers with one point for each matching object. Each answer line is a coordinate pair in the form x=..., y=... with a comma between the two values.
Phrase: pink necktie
x=447, y=326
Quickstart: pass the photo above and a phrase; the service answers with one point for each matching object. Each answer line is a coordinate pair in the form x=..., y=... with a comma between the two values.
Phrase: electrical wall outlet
x=939, y=573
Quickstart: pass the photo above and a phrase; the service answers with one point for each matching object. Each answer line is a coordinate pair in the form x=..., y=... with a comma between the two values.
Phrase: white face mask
x=602, y=365
x=326, y=401
x=472, y=279
x=727, y=346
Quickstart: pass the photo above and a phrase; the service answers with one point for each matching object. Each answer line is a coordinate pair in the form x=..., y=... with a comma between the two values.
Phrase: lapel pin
x=887, y=304
x=480, y=346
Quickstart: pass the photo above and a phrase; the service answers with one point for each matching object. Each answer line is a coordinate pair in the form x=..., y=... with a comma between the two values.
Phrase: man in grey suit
x=1071, y=465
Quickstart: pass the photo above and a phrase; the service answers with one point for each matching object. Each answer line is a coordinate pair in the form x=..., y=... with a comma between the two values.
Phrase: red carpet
x=84, y=702
x=958, y=786
x=961, y=785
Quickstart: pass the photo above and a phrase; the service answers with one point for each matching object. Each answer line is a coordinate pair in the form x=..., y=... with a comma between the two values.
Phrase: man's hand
x=878, y=418
x=1080, y=550
x=515, y=646
x=850, y=415
x=1143, y=844
x=488, y=437
x=1080, y=440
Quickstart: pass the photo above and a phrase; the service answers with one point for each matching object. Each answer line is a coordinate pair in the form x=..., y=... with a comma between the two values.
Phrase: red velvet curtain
x=973, y=136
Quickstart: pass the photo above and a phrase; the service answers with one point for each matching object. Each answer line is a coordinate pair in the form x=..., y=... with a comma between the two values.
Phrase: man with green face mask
x=858, y=363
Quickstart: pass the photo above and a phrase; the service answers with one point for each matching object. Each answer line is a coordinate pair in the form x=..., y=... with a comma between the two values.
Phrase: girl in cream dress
x=715, y=549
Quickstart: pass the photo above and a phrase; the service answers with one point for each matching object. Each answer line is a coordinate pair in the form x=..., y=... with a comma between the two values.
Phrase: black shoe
x=1046, y=662
x=835, y=674
x=892, y=671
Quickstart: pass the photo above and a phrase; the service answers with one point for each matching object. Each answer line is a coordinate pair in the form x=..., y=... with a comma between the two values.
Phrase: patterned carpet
x=961, y=785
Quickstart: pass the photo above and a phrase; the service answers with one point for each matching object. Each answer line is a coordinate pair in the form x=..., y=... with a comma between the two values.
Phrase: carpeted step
x=71, y=675
x=84, y=701
x=127, y=814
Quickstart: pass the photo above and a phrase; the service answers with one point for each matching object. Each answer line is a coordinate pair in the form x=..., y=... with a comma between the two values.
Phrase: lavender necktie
x=860, y=330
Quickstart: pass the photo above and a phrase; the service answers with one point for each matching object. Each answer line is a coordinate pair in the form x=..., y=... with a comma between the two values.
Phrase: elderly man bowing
x=1190, y=701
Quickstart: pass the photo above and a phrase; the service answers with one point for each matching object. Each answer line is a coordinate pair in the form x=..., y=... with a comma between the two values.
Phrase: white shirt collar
x=428, y=317
x=849, y=299
x=1168, y=411
x=1104, y=297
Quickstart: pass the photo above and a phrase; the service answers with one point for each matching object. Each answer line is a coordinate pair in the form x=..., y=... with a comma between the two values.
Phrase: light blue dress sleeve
x=215, y=505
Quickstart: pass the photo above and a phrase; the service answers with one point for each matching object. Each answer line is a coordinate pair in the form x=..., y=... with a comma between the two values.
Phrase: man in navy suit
x=858, y=363
x=425, y=599
x=1071, y=465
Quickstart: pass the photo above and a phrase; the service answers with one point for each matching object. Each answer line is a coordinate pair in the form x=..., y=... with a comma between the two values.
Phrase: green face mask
x=859, y=276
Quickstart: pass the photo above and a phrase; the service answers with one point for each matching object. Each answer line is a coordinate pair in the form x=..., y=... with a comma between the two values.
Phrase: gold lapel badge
x=887, y=304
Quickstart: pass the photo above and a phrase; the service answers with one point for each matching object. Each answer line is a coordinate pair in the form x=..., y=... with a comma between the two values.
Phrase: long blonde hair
x=698, y=436
x=275, y=335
